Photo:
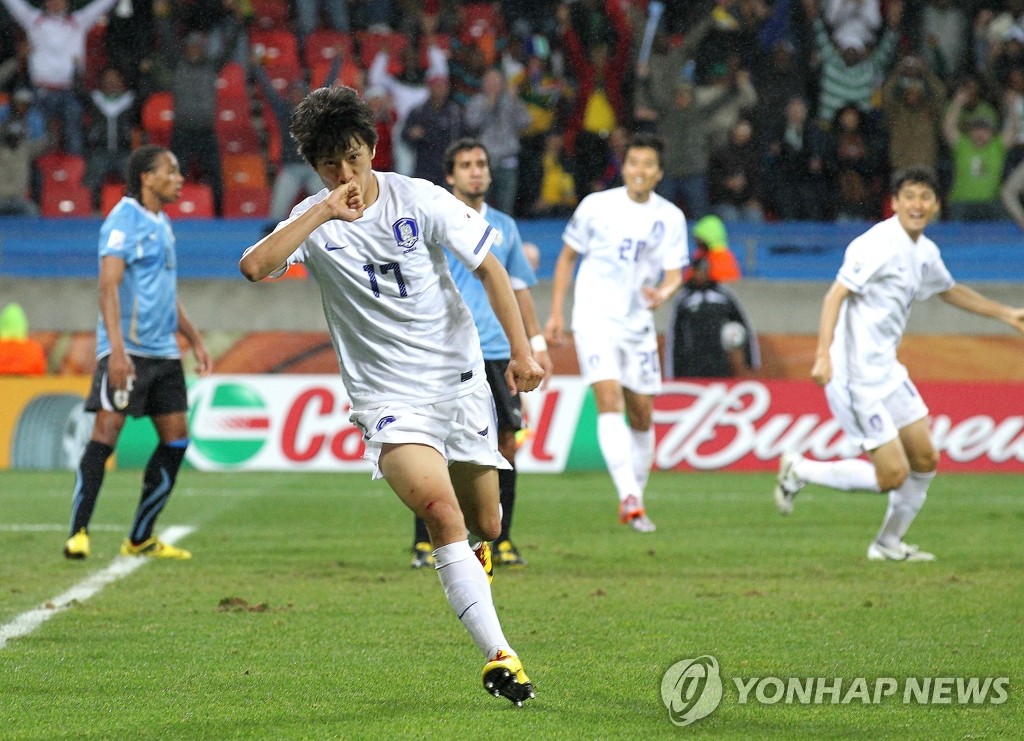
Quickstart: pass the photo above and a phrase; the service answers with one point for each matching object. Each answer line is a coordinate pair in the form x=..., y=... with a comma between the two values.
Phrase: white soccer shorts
x=632, y=362
x=463, y=429
x=870, y=421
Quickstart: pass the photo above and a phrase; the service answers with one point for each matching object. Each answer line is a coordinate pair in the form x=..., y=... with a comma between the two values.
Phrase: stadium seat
x=270, y=14
x=350, y=74
x=246, y=203
x=231, y=82
x=110, y=194
x=279, y=46
x=282, y=75
x=158, y=118
x=244, y=171
x=371, y=42
x=237, y=140
x=322, y=45
x=196, y=202
x=232, y=114
x=61, y=169
x=66, y=200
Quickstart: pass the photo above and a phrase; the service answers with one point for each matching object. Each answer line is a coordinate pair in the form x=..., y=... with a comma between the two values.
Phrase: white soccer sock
x=643, y=455
x=849, y=474
x=904, y=504
x=468, y=592
x=617, y=448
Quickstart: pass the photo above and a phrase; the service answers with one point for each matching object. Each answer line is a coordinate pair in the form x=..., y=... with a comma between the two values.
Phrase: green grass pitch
x=327, y=632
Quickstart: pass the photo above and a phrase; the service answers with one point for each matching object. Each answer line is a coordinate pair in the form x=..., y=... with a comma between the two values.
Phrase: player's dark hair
x=644, y=140
x=141, y=161
x=462, y=145
x=918, y=174
x=331, y=120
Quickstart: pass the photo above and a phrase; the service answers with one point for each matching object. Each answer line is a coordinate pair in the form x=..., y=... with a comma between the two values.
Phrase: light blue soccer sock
x=617, y=448
x=469, y=593
x=904, y=504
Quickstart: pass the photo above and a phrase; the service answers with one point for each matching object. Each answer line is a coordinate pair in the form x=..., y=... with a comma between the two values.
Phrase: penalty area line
x=119, y=568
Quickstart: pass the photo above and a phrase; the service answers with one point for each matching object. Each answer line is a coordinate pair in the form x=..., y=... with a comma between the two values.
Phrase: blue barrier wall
x=209, y=249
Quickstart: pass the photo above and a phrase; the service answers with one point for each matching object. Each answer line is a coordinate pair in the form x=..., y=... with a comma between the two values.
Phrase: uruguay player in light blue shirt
x=467, y=169
x=138, y=363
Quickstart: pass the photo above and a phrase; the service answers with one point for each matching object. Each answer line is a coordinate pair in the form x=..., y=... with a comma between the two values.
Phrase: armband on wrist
x=538, y=343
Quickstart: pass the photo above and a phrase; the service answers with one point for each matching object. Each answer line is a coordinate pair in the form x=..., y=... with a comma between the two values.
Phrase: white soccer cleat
x=787, y=483
x=902, y=552
x=642, y=524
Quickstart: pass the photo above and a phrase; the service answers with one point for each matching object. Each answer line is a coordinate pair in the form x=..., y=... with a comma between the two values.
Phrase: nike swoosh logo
x=332, y=248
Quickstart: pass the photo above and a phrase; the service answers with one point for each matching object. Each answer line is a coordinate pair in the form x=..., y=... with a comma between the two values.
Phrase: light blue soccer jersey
x=508, y=248
x=148, y=291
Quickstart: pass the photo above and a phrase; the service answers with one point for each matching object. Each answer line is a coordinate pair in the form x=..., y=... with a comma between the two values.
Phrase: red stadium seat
x=350, y=74
x=232, y=114
x=244, y=171
x=238, y=140
x=279, y=46
x=371, y=42
x=270, y=14
x=66, y=200
x=158, y=118
x=231, y=82
x=110, y=194
x=61, y=169
x=246, y=203
x=196, y=202
x=322, y=45
x=282, y=75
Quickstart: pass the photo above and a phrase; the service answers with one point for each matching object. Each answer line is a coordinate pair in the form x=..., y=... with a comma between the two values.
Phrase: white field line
x=119, y=568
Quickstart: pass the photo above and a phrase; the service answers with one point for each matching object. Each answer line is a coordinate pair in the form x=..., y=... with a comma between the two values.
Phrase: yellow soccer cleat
x=77, y=546
x=483, y=555
x=154, y=548
x=504, y=676
x=422, y=555
x=508, y=554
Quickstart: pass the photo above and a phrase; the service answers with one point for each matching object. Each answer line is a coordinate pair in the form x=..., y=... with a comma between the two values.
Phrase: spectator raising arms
x=56, y=54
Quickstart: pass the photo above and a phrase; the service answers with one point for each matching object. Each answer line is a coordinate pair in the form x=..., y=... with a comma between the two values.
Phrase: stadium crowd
x=771, y=109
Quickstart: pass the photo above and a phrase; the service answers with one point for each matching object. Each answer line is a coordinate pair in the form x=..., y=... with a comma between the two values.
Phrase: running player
x=138, y=370
x=468, y=171
x=408, y=351
x=868, y=390
x=633, y=245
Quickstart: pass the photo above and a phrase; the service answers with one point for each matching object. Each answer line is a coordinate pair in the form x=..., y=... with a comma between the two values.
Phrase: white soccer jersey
x=886, y=271
x=399, y=326
x=624, y=245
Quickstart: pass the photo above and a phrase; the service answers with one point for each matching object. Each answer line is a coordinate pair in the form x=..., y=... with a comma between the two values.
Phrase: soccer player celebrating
x=628, y=237
x=408, y=351
x=870, y=393
x=468, y=171
x=138, y=370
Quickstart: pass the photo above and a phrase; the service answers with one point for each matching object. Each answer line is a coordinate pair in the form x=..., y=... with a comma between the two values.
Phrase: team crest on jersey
x=384, y=422
x=407, y=233
x=656, y=235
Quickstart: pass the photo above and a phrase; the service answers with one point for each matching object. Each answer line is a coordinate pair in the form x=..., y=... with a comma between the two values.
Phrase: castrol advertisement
x=301, y=423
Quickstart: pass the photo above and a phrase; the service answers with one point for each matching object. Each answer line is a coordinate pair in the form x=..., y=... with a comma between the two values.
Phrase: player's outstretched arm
x=970, y=300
